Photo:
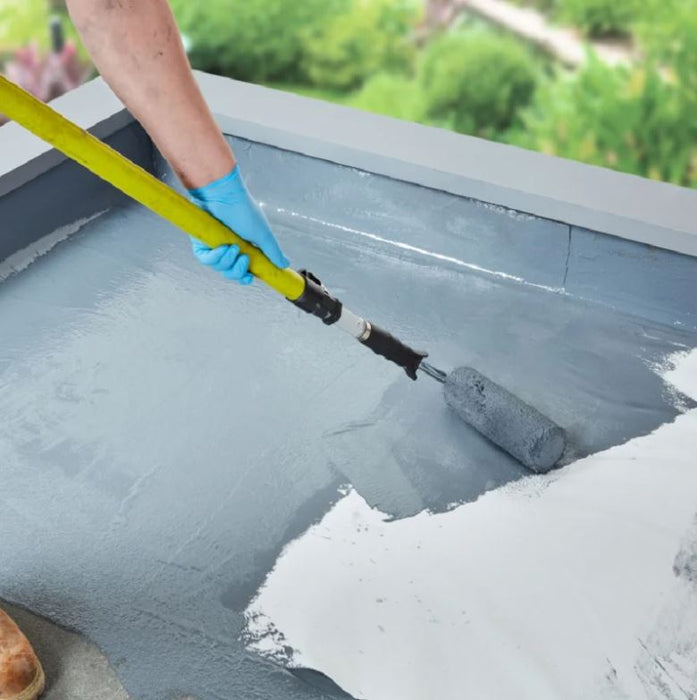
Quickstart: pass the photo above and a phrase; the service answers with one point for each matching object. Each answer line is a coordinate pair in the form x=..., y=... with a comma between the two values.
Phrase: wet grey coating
x=516, y=427
x=164, y=434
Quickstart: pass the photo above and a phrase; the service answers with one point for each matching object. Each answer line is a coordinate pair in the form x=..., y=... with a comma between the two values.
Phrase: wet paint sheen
x=578, y=584
x=164, y=435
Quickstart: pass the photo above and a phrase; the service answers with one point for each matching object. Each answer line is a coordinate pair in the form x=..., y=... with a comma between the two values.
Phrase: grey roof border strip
x=23, y=156
x=602, y=200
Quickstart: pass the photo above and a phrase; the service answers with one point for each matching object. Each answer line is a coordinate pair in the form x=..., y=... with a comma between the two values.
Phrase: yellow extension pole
x=137, y=183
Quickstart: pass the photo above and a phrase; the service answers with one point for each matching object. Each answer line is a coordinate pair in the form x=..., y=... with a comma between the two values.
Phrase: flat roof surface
x=164, y=434
x=176, y=451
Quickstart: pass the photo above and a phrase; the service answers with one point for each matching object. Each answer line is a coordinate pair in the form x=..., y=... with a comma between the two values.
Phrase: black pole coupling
x=317, y=300
x=383, y=343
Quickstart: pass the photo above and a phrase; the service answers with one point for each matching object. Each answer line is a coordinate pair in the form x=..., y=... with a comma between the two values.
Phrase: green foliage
x=601, y=17
x=477, y=81
x=27, y=22
x=627, y=119
x=545, y=5
x=252, y=40
x=369, y=36
x=669, y=34
x=542, y=5
x=391, y=95
x=21, y=23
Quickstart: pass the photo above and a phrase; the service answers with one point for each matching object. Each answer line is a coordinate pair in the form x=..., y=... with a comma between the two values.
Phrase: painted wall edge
x=626, y=206
x=24, y=156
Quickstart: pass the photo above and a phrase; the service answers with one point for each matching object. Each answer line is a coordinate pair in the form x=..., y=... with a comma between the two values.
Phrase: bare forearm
x=136, y=46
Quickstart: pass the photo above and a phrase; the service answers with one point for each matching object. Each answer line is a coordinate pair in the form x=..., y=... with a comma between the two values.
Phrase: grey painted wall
x=636, y=278
x=639, y=279
x=64, y=194
x=581, y=195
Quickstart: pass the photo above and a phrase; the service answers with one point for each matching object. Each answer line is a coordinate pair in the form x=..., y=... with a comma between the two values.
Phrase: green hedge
x=601, y=17
x=477, y=81
x=669, y=34
x=27, y=22
x=631, y=120
x=253, y=40
x=391, y=95
x=542, y=5
x=368, y=37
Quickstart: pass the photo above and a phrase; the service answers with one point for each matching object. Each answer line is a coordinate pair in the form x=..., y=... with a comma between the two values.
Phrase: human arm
x=137, y=48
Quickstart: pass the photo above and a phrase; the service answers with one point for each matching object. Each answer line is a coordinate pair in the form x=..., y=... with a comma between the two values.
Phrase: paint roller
x=506, y=420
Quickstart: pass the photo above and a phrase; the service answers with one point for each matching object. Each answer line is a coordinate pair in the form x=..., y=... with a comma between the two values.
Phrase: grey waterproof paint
x=164, y=433
x=470, y=235
x=623, y=205
x=63, y=194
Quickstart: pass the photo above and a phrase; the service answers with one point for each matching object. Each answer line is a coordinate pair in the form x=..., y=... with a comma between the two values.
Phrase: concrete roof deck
x=164, y=434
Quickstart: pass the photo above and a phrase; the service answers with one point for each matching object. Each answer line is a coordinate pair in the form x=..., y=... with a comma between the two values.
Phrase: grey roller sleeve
x=519, y=429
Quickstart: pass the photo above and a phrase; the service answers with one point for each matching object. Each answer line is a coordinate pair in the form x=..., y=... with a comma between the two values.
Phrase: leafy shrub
x=27, y=22
x=21, y=23
x=601, y=17
x=370, y=36
x=252, y=40
x=545, y=5
x=391, y=95
x=542, y=5
x=669, y=34
x=626, y=119
x=477, y=81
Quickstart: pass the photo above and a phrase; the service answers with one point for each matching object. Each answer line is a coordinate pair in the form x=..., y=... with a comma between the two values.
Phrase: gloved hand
x=229, y=201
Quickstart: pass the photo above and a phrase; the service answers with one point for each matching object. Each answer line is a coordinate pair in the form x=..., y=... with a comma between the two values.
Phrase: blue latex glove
x=229, y=201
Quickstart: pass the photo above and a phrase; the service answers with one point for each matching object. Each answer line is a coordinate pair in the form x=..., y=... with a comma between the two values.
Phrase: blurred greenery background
x=441, y=64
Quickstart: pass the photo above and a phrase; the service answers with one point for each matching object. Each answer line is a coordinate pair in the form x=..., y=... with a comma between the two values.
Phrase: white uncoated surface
x=558, y=586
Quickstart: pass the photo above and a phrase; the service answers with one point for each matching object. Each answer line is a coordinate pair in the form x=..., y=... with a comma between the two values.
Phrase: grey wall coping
x=594, y=198
x=24, y=156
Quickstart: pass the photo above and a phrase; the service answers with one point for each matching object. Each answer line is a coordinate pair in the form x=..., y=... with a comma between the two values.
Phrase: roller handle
x=383, y=343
